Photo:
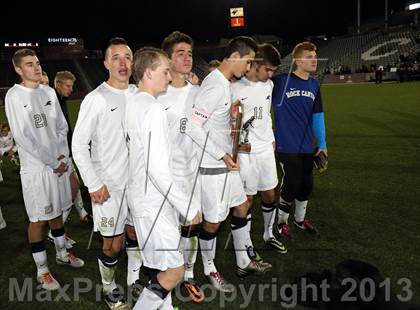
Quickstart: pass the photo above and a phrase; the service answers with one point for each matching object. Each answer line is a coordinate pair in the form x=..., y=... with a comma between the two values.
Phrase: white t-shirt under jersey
x=256, y=98
x=184, y=157
x=211, y=115
x=38, y=127
x=150, y=173
x=99, y=148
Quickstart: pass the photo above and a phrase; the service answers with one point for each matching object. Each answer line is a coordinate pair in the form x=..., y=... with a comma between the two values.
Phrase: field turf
x=366, y=207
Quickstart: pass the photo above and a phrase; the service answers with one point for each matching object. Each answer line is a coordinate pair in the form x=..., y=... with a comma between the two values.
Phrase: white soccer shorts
x=159, y=239
x=41, y=195
x=219, y=193
x=110, y=217
x=258, y=171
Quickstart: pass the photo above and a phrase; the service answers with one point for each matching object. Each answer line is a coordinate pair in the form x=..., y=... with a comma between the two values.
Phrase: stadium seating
x=356, y=51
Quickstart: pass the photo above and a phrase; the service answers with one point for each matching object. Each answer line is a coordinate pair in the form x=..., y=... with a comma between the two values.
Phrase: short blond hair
x=64, y=76
x=303, y=46
x=146, y=58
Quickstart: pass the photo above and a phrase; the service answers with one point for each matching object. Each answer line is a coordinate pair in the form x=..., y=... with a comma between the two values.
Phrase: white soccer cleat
x=48, y=282
x=71, y=261
x=219, y=283
x=115, y=300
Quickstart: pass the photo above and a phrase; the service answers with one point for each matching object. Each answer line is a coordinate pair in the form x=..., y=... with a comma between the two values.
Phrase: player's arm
x=205, y=104
x=62, y=129
x=83, y=132
x=153, y=130
x=20, y=125
x=270, y=119
x=276, y=98
x=318, y=124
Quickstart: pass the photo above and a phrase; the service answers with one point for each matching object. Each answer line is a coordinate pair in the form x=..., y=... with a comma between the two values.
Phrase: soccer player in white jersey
x=220, y=180
x=155, y=199
x=7, y=144
x=40, y=129
x=179, y=47
x=100, y=152
x=258, y=168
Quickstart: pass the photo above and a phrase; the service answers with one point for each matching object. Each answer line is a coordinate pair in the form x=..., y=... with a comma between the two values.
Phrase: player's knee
x=131, y=232
x=211, y=227
x=112, y=246
x=268, y=196
x=241, y=210
x=250, y=200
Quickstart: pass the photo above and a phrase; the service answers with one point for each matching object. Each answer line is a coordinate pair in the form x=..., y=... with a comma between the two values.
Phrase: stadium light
x=412, y=5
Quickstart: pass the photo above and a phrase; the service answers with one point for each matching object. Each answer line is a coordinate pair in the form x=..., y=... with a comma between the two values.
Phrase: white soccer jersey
x=183, y=149
x=211, y=115
x=150, y=176
x=99, y=148
x=256, y=98
x=38, y=127
x=7, y=143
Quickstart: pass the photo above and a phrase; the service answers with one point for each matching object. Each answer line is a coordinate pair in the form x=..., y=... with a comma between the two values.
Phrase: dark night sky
x=144, y=22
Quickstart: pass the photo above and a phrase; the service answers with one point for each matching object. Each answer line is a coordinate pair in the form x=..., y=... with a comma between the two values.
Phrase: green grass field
x=366, y=207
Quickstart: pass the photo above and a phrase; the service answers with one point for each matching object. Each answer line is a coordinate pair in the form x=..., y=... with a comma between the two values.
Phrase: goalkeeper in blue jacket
x=299, y=122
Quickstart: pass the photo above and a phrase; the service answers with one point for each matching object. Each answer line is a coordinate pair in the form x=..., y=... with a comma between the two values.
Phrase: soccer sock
x=248, y=225
x=167, y=303
x=78, y=203
x=208, y=250
x=66, y=214
x=269, y=213
x=153, y=296
x=134, y=260
x=241, y=239
x=283, y=212
x=60, y=243
x=107, y=267
x=300, y=210
x=40, y=257
x=148, y=300
x=189, y=244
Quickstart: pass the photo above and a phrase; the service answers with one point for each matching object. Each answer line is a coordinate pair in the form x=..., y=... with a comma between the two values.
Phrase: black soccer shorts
x=297, y=180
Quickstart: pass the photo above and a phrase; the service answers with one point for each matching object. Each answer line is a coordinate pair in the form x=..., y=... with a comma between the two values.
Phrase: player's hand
x=193, y=78
x=101, y=195
x=230, y=164
x=10, y=153
x=323, y=151
x=196, y=220
x=61, y=169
